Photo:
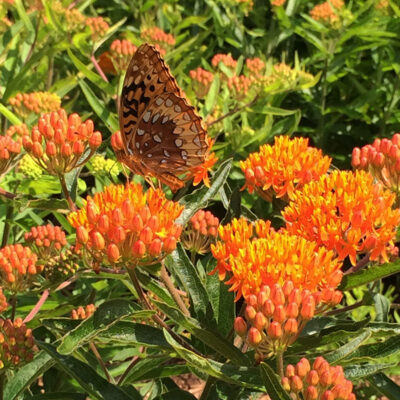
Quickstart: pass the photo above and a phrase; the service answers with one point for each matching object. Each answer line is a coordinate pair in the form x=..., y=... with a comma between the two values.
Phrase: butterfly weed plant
x=199, y=199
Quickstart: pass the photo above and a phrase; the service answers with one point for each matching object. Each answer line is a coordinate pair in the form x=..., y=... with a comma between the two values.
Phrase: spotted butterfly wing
x=162, y=134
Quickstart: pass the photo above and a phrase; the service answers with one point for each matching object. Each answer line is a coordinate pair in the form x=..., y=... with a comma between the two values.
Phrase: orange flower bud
x=155, y=247
x=291, y=326
x=250, y=313
x=254, y=337
x=137, y=223
x=128, y=210
x=95, y=140
x=252, y=300
x=328, y=395
x=240, y=326
x=275, y=330
x=66, y=150
x=98, y=240
x=117, y=216
x=303, y=367
x=296, y=384
x=277, y=295
x=169, y=244
x=139, y=249
x=313, y=378
x=103, y=224
x=112, y=253
x=146, y=235
x=116, y=141
x=279, y=314
x=37, y=150
x=311, y=393
x=268, y=308
x=259, y=321
x=285, y=383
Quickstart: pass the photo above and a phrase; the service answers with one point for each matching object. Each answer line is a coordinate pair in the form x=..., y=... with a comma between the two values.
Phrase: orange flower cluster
x=162, y=40
x=58, y=142
x=18, y=265
x=346, y=212
x=121, y=52
x=47, y=240
x=3, y=301
x=203, y=79
x=98, y=27
x=327, y=11
x=277, y=314
x=255, y=65
x=83, y=312
x=321, y=382
x=382, y=160
x=240, y=85
x=201, y=230
x=9, y=150
x=283, y=168
x=126, y=227
x=17, y=132
x=36, y=102
x=278, y=3
x=17, y=344
x=225, y=59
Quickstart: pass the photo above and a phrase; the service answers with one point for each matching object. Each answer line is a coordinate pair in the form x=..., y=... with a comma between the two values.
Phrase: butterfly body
x=162, y=135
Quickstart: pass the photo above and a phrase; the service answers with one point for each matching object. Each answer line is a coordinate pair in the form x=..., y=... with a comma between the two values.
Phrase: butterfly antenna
x=234, y=111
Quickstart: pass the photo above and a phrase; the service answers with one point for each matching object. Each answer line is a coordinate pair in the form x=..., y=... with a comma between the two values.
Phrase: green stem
x=13, y=303
x=64, y=188
x=100, y=361
x=171, y=288
x=279, y=363
x=7, y=226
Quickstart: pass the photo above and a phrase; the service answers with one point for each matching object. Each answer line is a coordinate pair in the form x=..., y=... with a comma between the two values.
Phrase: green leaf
x=356, y=372
x=385, y=386
x=106, y=315
x=211, y=338
x=382, y=307
x=26, y=375
x=23, y=15
x=10, y=34
x=91, y=75
x=237, y=375
x=371, y=274
x=178, y=262
x=58, y=396
x=88, y=379
x=348, y=348
x=131, y=333
x=10, y=115
x=271, y=382
x=378, y=350
x=100, y=109
x=200, y=197
x=212, y=95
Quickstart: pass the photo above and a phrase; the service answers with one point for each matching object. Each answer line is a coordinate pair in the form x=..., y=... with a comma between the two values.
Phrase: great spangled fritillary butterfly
x=162, y=135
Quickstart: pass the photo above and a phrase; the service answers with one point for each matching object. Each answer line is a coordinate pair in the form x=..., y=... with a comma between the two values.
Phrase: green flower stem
x=172, y=290
x=64, y=188
x=279, y=363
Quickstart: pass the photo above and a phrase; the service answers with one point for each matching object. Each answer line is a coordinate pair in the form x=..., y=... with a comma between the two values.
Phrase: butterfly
x=162, y=135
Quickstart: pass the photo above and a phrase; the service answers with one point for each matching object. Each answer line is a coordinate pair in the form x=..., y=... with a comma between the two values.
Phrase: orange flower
x=123, y=226
x=17, y=345
x=18, y=266
x=121, y=52
x=83, y=312
x=382, y=160
x=345, y=212
x=321, y=382
x=9, y=150
x=36, y=102
x=283, y=168
x=17, y=132
x=201, y=230
x=202, y=80
x=162, y=40
x=98, y=27
x=276, y=314
x=240, y=84
x=3, y=301
x=47, y=240
x=58, y=142
x=225, y=59
x=278, y=3
x=327, y=11
x=71, y=18
x=255, y=65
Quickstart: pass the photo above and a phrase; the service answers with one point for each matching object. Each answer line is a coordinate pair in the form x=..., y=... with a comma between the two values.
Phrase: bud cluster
x=9, y=150
x=83, y=312
x=327, y=11
x=71, y=18
x=58, y=142
x=59, y=267
x=200, y=232
x=322, y=382
x=202, y=79
x=240, y=85
x=121, y=52
x=3, y=301
x=225, y=59
x=104, y=166
x=276, y=315
x=28, y=166
x=382, y=160
x=17, y=344
x=18, y=265
x=255, y=65
x=125, y=227
x=162, y=40
x=46, y=240
x=98, y=27
x=36, y=102
x=17, y=132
